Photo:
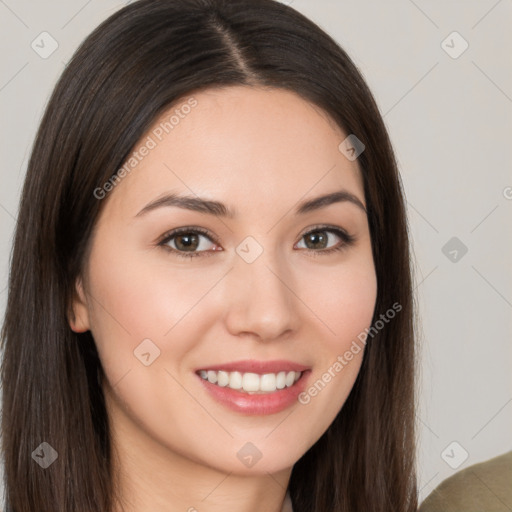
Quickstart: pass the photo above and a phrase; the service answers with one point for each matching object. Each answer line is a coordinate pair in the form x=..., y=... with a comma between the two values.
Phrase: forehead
x=248, y=147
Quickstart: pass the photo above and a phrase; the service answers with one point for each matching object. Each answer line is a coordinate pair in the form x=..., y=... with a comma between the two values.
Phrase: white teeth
x=251, y=382
x=223, y=379
x=235, y=380
x=268, y=382
x=290, y=379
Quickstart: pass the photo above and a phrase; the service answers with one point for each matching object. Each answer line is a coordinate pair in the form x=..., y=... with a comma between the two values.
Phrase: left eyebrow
x=219, y=209
x=325, y=200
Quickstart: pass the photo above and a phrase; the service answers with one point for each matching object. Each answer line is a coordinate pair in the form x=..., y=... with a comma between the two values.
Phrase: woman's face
x=263, y=285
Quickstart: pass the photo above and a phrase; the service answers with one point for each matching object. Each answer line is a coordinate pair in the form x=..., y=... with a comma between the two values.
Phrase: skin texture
x=259, y=151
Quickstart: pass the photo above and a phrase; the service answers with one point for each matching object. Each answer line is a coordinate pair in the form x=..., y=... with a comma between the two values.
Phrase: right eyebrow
x=196, y=204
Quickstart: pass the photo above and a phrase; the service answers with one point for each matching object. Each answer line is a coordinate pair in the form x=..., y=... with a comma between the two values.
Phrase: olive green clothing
x=483, y=487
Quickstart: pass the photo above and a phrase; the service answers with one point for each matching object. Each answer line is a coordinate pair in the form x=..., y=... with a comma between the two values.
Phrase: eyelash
x=347, y=241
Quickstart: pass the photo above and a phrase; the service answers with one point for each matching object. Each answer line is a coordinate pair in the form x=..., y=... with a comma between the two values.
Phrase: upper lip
x=254, y=366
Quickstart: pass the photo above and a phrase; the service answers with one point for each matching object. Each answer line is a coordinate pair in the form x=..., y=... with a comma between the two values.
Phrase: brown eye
x=316, y=240
x=188, y=242
x=322, y=240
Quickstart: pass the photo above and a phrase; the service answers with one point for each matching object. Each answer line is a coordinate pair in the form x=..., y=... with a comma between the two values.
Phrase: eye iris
x=316, y=236
x=187, y=242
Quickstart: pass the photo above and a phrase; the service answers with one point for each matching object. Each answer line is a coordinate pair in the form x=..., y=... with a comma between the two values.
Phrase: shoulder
x=484, y=486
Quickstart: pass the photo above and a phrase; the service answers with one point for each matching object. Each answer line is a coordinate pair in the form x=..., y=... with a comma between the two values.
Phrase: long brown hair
x=129, y=70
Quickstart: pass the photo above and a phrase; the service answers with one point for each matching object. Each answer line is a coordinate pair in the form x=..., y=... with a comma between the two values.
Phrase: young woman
x=210, y=303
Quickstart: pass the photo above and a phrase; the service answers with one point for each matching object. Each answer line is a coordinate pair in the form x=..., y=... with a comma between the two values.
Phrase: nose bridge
x=260, y=299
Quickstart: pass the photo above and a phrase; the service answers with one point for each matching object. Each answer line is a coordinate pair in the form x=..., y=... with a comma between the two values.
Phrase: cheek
x=345, y=300
x=347, y=305
x=136, y=298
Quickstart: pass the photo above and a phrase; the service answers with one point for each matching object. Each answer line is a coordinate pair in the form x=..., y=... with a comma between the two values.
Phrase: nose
x=261, y=299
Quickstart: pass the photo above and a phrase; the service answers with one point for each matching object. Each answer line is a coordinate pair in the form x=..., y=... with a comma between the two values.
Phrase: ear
x=78, y=315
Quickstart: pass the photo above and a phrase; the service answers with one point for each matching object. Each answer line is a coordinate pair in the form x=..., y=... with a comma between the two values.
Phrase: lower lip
x=257, y=404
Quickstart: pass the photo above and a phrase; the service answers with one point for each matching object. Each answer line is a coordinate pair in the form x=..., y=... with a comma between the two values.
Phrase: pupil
x=317, y=237
x=187, y=241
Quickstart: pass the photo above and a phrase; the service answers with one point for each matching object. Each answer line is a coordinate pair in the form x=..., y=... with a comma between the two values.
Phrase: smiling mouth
x=251, y=383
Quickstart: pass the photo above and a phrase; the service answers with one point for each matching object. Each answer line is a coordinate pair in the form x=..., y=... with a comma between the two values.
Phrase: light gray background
x=450, y=120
